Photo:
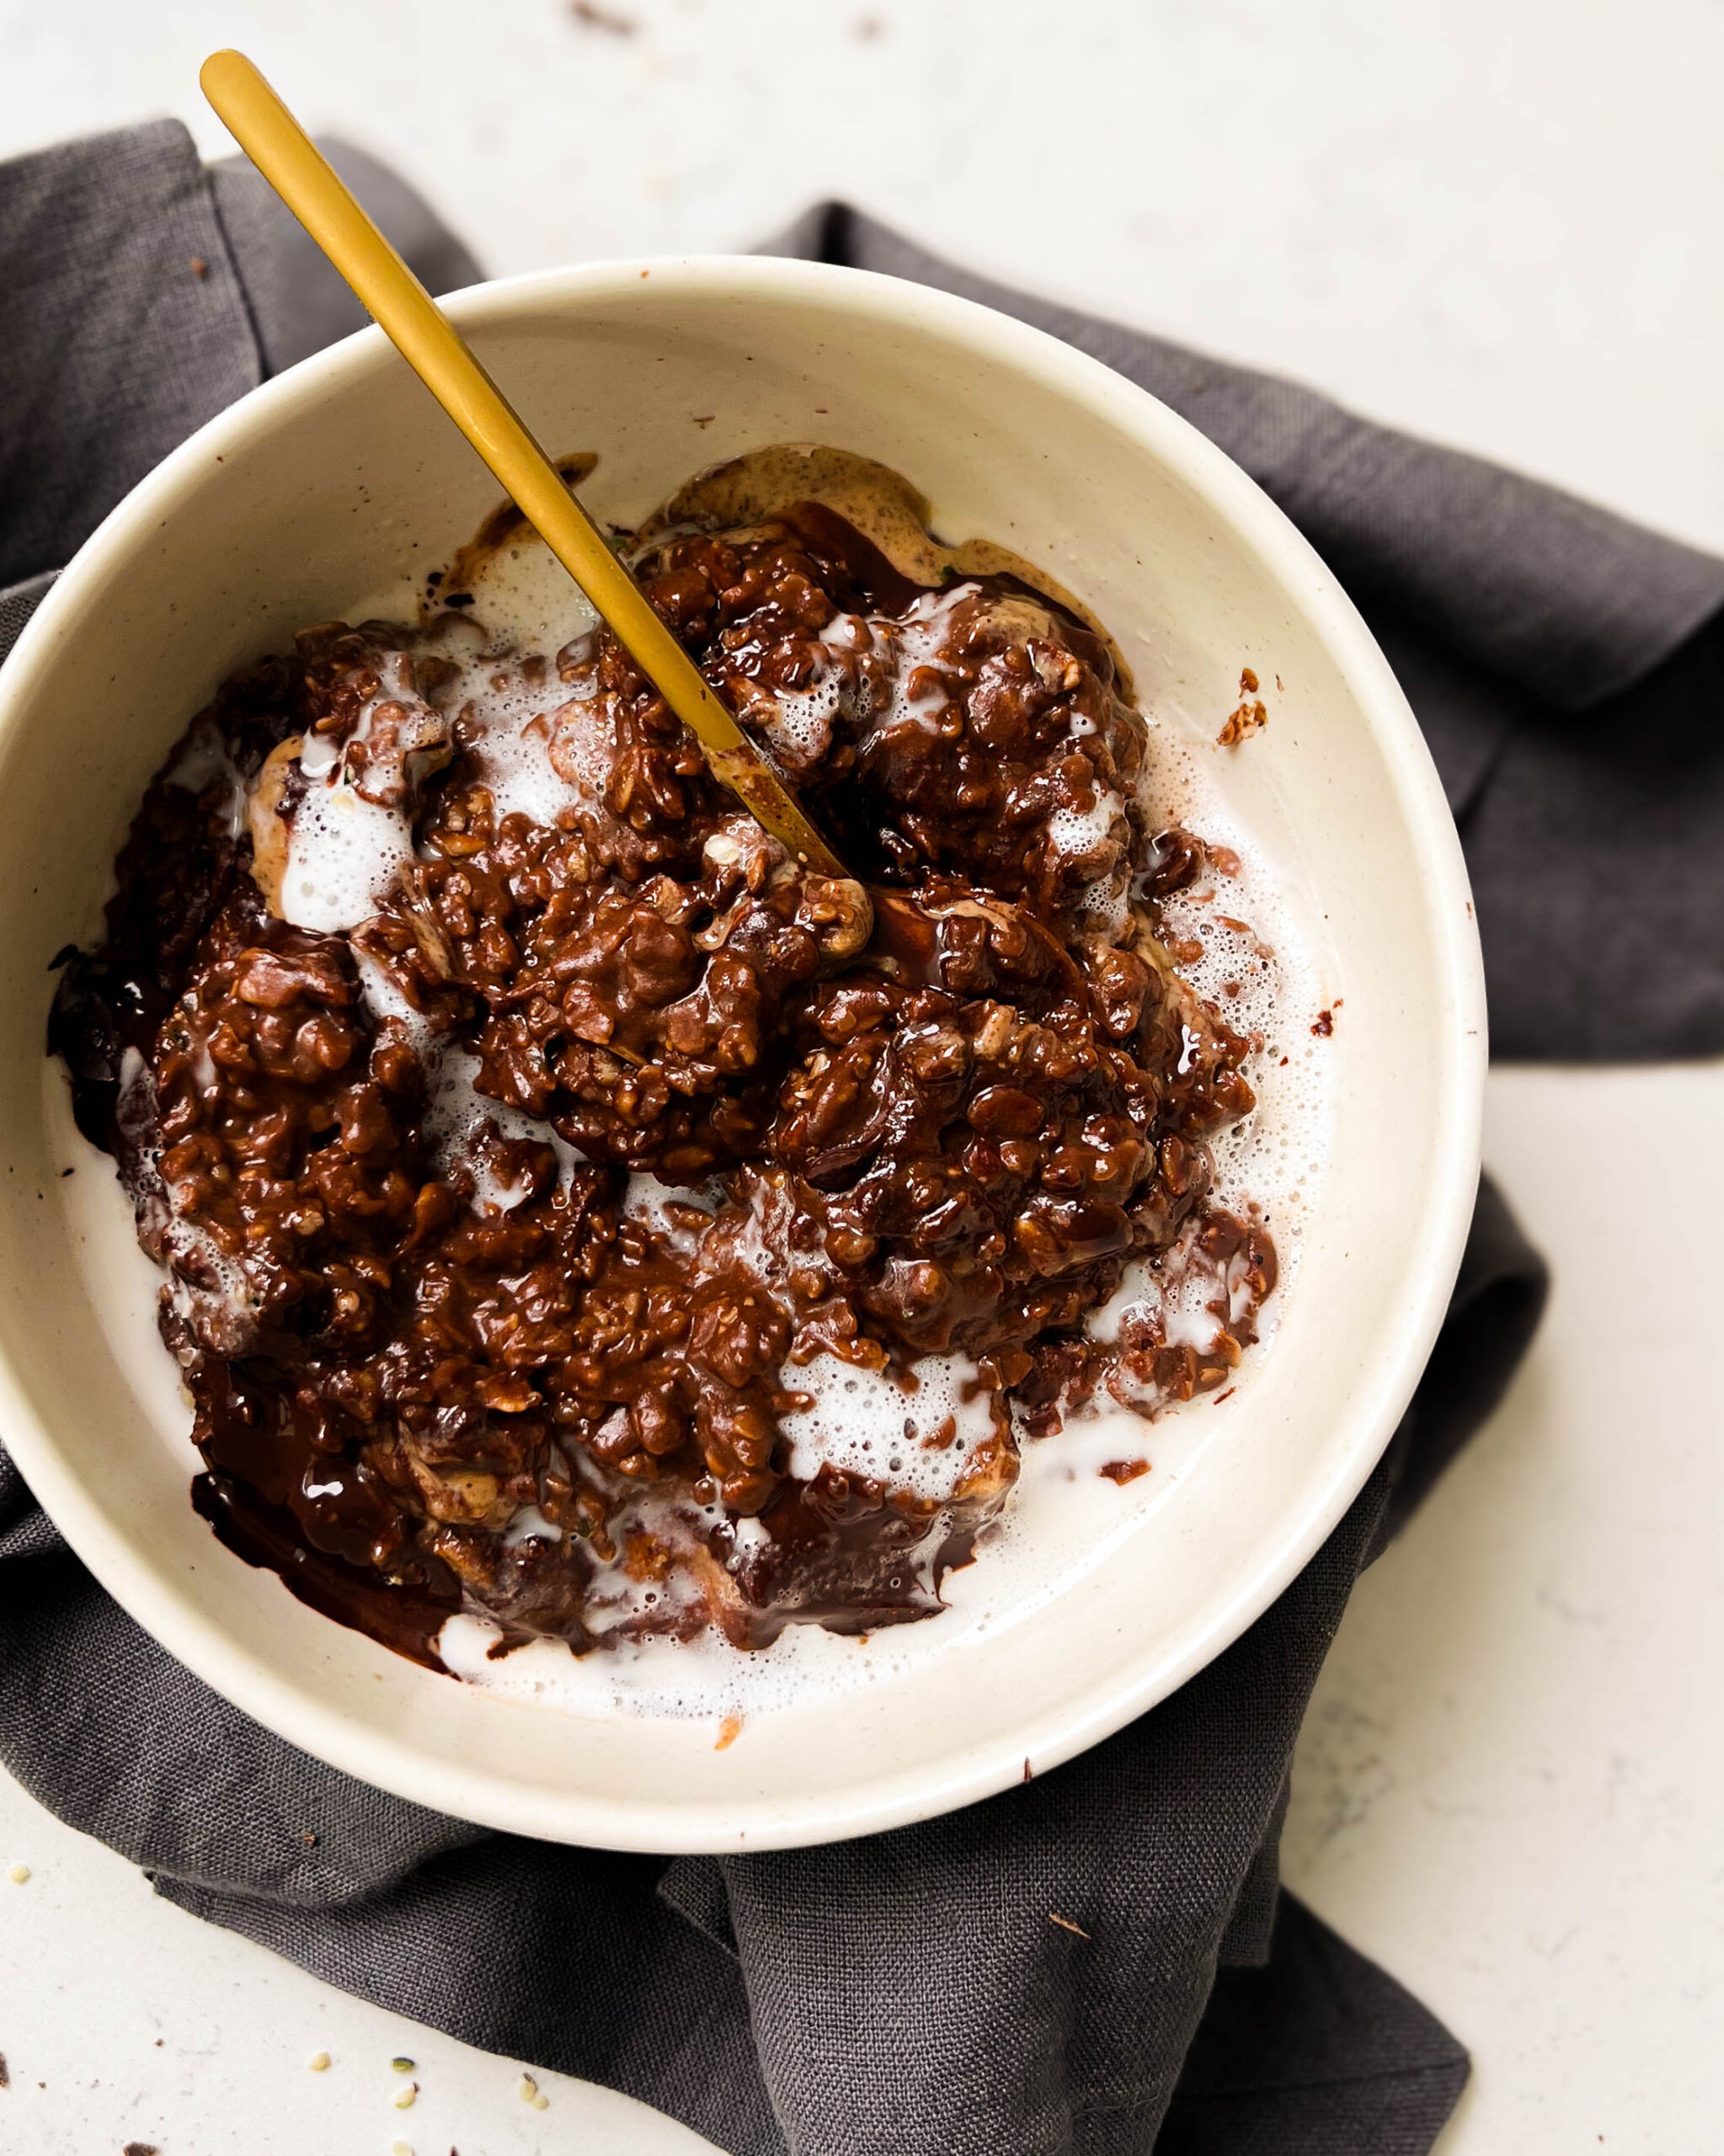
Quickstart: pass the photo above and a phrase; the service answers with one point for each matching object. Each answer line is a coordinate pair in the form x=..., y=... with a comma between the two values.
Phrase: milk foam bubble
x=864, y=1422
x=798, y=722
x=343, y=852
x=458, y=1116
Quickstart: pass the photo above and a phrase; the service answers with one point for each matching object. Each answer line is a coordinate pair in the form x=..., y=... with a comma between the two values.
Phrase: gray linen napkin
x=909, y=1992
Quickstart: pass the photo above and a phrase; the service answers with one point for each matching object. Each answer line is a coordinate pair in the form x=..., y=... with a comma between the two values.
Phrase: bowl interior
x=339, y=482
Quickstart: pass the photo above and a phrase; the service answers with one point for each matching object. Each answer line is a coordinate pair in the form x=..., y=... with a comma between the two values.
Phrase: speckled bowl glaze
x=340, y=479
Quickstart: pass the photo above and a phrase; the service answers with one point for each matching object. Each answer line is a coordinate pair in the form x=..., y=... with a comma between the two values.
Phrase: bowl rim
x=293, y=1710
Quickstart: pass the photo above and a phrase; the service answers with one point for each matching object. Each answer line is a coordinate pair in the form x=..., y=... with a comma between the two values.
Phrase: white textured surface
x=123, y=2019
x=1507, y=1787
x=1494, y=221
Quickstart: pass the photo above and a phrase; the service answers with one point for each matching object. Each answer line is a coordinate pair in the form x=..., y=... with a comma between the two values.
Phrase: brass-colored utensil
x=288, y=158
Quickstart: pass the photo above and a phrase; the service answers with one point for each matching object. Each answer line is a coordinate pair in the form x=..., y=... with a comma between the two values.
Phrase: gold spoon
x=288, y=158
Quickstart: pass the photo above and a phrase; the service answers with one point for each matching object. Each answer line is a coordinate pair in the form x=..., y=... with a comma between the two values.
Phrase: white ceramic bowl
x=327, y=484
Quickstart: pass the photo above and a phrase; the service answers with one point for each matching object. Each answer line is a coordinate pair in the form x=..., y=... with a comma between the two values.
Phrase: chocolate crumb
x=200, y=267
x=142, y=2148
x=1125, y=1470
x=1228, y=1395
x=1241, y=724
x=602, y=19
x=1323, y=1024
x=1027, y=1770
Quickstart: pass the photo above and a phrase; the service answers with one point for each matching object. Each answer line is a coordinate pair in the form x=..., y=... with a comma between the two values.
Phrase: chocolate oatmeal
x=575, y=1212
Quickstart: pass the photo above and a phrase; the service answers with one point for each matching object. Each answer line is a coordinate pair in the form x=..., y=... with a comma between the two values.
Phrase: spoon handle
x=288, y=158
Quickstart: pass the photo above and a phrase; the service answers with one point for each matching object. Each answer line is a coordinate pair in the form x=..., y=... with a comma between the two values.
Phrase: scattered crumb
x=1027, y=1775
x=401, y=2148
x=64, y=1173
x=704, y=419
x=591, y=18
x=18, y=1874
x=528, y=2089
x=318, y=2062
x=729, y=1730
x=142, y=2148
x=1247, y=682
x=1323, y=1024
x=309, y=1839
x=5, y=2077
x=1241, y=724
x=200, y=267
x=401, y=2065
x=1228, y=1395
x=1123, y=1470
x=1279, y=690
x=1066, y=1925
x=404, y=2098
